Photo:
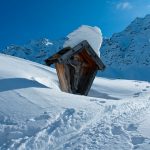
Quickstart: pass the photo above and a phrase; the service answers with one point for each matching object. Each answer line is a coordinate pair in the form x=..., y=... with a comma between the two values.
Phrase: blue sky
x=24, y=20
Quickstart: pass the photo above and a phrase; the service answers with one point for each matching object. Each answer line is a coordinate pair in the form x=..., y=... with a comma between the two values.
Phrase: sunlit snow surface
x=36, y=115
x=92, y=34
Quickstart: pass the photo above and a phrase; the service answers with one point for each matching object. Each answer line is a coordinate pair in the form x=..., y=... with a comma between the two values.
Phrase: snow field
x=35, y=114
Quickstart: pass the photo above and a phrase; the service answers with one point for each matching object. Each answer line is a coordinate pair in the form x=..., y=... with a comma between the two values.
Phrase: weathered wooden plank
x=53, y=59
x=90, y=81
x=62, y=77
x=94, y=56
x=81, y=73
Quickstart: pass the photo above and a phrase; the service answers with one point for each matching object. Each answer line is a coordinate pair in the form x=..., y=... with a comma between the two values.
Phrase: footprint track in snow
x=136, y=140
x=98, y=101
x=137, y=94
x=117, y=130
x=6, y=120
x=131, y=127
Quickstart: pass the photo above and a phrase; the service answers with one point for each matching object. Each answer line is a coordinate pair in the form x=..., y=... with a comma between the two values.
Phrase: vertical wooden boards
x=78, y=74
x=63, y=77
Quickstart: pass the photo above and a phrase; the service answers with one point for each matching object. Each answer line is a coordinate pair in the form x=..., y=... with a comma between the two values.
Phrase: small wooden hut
x=76, y=67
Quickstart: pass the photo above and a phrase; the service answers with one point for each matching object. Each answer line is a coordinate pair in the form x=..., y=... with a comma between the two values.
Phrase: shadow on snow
x=18, y=83
x=97, y=94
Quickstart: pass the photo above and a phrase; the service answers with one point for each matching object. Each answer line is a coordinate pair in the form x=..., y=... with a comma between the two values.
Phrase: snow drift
x=35, y=114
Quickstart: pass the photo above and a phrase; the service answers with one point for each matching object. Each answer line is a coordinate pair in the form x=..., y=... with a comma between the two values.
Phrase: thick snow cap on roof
x=92, y=34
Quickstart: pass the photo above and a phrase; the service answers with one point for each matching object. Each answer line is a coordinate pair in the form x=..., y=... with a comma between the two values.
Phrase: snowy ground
x=35, y=114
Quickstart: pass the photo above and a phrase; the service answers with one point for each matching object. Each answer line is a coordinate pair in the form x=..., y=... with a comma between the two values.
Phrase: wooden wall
x=77, y=74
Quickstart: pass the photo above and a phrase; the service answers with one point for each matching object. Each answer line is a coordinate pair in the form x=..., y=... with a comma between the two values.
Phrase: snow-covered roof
x=92, y=34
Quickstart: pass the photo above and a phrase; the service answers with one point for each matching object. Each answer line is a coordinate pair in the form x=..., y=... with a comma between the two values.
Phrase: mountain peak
x=126, y=54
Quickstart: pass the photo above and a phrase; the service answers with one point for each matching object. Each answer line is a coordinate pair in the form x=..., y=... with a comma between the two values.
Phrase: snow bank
x=92, y=34
x=35, y=114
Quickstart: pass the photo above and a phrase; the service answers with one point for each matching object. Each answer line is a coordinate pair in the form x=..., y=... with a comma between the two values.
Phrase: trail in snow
x=35, y=114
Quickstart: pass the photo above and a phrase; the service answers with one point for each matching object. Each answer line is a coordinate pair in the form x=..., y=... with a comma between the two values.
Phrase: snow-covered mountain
x=127, y=54
x=36, y=115
x=35, y=50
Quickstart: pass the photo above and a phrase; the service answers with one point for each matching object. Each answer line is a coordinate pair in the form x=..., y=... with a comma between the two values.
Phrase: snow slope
x=92, y=34
x=35, y=114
